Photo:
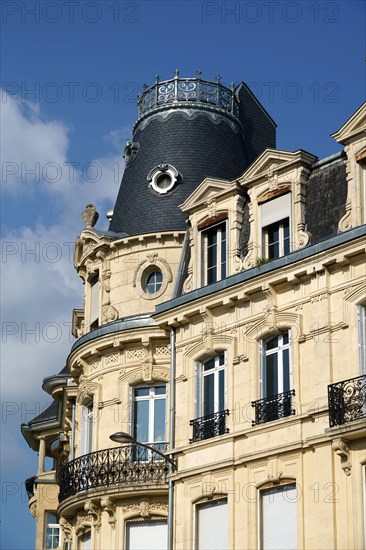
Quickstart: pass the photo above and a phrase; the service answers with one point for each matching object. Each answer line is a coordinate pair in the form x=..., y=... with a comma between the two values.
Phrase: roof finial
x=198, y=73
x=218, y=78
x=156, y=79
x=176, y=75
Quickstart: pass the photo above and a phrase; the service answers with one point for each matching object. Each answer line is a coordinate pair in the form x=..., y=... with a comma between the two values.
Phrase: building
x=223, y=325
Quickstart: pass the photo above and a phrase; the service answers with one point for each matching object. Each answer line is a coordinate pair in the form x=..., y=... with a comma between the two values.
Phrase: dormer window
x=275, y=227
x=214, y=253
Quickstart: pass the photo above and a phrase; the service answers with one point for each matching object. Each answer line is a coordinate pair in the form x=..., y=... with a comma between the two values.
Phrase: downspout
x=171, y=436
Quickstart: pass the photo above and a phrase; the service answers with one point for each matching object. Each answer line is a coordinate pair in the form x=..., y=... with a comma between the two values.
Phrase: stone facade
x=257, y=356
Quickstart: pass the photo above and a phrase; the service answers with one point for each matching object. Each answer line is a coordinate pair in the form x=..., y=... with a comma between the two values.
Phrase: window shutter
x=361, y=314
x=275, y=210
x=279, y=518
x=152, y=535
x=213, y=526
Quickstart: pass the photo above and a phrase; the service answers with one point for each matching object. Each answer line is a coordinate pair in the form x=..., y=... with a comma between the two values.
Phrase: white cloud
x=40, y=286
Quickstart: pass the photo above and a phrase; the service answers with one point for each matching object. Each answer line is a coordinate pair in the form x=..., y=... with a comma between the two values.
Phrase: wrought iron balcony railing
x=347, y=401
x=273, y=408
x=178, y=90
x=208, y=426
x=29, y=486
x=132, y=465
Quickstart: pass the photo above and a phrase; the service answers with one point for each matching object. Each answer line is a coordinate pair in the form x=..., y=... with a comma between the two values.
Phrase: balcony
x=208, y=426
x=128, y=466
x=347, y=401
x=273, y=408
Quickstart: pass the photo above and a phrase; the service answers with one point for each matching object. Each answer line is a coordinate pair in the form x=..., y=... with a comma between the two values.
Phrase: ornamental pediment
x=273, y=160
x=353, y=128
x=205, y=192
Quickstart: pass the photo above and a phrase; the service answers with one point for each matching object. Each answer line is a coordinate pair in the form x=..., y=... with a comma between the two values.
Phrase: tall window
x=150, y=414
x=278, y=518
x=94, y=302
x=87, y=425
x=210, y=418
x=52, y=535
x=276, y=392
x=214, y=254
x=211, y=378
x=212, y=526
x=276, y=365
x=147, y=534
x=361, y=315
x=275, y=224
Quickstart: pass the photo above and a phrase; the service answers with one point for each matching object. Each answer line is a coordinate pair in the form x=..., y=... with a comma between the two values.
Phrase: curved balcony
x=189, y=92
x=127, y=466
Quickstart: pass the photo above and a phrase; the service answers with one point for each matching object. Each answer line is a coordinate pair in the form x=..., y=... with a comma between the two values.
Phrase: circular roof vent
x=163, y=178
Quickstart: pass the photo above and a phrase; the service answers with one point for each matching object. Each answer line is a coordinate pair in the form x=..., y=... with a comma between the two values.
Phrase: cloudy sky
x=71, y=72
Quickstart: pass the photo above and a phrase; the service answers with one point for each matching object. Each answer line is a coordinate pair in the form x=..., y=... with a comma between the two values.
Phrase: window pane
x=142, y=421
x=286, y=370
x=222, y=359
x=208, y=395
x=272, y=343
x=208, y=365
x=159, y=420
x=160, y=390
x=285, y=338
x=271, y=375
x=141, y=392
x=52, y=518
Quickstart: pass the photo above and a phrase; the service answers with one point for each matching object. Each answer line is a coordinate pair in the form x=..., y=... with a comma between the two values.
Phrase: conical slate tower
x=188, y=129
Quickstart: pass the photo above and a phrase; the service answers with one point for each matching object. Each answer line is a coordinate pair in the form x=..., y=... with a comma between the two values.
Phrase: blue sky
x=70, y=75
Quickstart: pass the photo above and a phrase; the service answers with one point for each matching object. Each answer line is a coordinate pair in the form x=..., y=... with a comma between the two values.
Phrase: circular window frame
x=130, y=151
x=156, y=173
x=145, y=268
x=145, y=277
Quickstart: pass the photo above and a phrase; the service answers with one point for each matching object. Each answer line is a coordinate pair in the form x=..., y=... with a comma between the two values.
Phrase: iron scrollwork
x=208, y=426
x=347, y=401
x=178, y=90
x=132, y=465
x=273, y=408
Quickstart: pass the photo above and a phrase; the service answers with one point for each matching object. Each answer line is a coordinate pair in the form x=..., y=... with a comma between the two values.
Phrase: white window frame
x=151, y=398
x=275, y=211
x=87, y=428
x=201, y=374
x=221, y=273
x=281, y=239
x=49, y=525
x=85, y=538
x=280, y=371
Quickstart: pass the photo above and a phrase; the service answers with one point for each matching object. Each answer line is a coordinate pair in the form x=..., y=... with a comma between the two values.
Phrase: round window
x=163, y=181
x=153, y=282
x=163, y=178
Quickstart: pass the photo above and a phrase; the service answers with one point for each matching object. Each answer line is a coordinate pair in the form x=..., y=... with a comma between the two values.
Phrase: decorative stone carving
x=66, y=527
x=95, y=512
x=90, y=216
x=345, y=222
x=86, y=392
x=33, y=508
x=140, y=273
x=341, y=449
x=109, y=506
x=109, y=313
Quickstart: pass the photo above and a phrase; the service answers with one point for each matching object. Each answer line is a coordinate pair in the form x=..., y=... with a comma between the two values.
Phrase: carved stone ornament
x=345, y=223
x=109, y=313
x=144, y=268
x=109, y=506
x=86, y=392
x=341, y=449
x=95, y=512
x=66, y=527
x=90, y=216
x=33, y=509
